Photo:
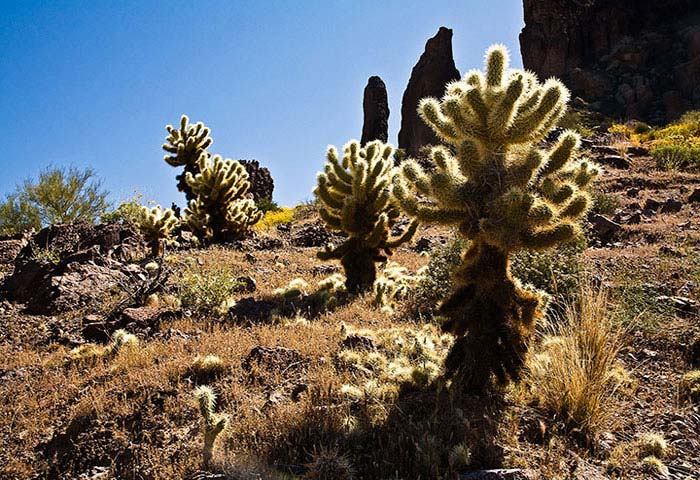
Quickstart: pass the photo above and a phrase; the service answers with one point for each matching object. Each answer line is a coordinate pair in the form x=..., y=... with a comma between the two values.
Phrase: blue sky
x=93, y=83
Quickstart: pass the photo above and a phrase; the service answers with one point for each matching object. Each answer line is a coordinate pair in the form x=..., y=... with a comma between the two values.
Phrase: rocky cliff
x=435, y=69
x=375, y=106
x=630, y=58
x=261, y=183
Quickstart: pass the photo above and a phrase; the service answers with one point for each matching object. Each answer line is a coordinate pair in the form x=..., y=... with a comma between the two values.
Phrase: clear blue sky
x=93, y=83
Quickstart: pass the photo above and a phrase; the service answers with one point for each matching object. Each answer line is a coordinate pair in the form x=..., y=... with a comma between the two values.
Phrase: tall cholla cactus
x=156, y=224
x=356, y=198
x=504, y=194
x=213, y=424
x=220, y=189
x=185, y=145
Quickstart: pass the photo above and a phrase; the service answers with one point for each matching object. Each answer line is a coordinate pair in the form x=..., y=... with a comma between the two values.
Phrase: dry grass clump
x=208, y=367
x=575, y=373
x=645, y=453
x=328, y=464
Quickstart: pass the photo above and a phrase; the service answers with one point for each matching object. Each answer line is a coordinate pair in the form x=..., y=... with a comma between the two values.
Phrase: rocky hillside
x=632, y=59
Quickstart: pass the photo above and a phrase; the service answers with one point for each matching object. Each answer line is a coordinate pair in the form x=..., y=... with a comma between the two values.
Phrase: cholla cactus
x=186, y=145
x=356, y=198
x=197, y=220
x=393, y=285
x=220, y=188
x=504, y=193
x=156, y=224
x=213, y=424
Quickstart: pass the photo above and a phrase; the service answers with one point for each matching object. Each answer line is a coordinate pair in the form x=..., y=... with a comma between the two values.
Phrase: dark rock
x=651, y=204
x=375, y=105
x=265, y=364
x=633, y=192
x=604, y=150
x=424, y=244
x=324, y=269
x=95, y=329
x=694, y=352
x=684, y=306
x=261, y=183
x=695, y=196
x=604, y=227
x=671, y=205
x=499, y=474
x=245, y=284
x=252, y=310
x=434, y=70
x=358, y=342
x=615, y=161
x=636, y=59
x=637, y=151
x=312, y=235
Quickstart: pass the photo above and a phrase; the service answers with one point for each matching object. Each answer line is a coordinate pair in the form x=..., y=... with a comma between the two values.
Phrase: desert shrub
x=676, y=154
x=574, y=374
x=557, y=272
x=207, y=291
x=434, y=282
x=265, y=205
x=272, y=218
x=128, y=212
x=604, y=203
x=579, y=122
x=504, y=194
x=355, y=198
x=59, y=195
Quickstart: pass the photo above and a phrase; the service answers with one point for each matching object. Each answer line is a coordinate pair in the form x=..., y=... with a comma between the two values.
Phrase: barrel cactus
x=355, y=195
x=503, y=192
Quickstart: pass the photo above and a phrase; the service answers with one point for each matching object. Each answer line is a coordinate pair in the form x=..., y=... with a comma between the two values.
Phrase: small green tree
x=504, y=193
x=59, y=195
x=355, y=198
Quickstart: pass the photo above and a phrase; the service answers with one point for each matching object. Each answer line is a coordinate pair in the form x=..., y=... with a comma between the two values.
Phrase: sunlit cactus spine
x=356, y=198
x=156, y=224
x=213, y=423
x=220, y=188
x=504, y=193
x=186, y=145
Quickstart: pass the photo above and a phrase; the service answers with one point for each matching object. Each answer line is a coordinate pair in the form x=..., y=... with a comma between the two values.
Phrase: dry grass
x=575, y=373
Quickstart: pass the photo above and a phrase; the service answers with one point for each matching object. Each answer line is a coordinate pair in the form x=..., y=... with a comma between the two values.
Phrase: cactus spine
x=504, y=193
x=185, y=145
x=156, y=224
x=213, y=424
x=220, y=188
x=356, y=198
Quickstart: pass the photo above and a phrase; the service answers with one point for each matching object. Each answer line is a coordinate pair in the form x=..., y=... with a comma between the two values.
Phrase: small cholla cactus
x=393, y=285
x=121, y=339
x=186, y=145
x=504, y=193
x=156, y=224
x=329, y=465
x=213, y=423
x=356, y=198
x=220, y=188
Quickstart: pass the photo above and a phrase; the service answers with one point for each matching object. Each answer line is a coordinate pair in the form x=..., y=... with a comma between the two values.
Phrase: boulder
x=375, y=106
x=261, y=183
x=434, y=70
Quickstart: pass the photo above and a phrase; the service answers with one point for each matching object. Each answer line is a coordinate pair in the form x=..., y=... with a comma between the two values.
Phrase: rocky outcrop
x=435, y=69
x=65, y=267
x=631, y=59
x=375, y=105
x=261, y=182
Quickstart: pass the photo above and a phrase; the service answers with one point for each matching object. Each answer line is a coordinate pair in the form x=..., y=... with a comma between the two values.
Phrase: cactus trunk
x=360, y=270
x=493, y=317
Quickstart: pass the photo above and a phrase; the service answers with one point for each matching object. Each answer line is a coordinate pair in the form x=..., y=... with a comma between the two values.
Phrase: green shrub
x=434, y=282
x=676, y=156
x=265, y=205
x=128, y=212
x=207, y=292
